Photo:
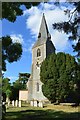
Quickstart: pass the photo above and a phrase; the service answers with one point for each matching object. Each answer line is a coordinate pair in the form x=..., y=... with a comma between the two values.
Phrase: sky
x=25, y=30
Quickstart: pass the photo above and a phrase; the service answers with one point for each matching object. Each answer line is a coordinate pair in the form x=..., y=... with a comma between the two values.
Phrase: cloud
x=33, y=23
x=47, y=6
x=60, y=41
x=52, y=14
x=17, y=38
x=35, y=16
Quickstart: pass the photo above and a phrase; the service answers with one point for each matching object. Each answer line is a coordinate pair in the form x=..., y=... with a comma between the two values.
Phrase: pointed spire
x=43, y=28
x=44, y=34
x=45, y=23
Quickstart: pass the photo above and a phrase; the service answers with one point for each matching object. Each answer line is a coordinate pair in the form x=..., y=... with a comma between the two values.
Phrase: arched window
x=37, y=87
x=38, y=52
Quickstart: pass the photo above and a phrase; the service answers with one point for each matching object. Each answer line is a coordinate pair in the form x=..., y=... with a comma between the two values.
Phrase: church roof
x=43, y=33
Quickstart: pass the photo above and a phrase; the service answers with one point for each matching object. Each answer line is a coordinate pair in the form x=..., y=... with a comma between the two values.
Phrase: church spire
x=44, y=34
x=43, y=28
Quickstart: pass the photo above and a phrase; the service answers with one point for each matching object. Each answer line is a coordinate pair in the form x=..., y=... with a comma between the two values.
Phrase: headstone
x=32, y=103
x=13, y=103
x=8, y=103
x=41, y=105
x=19, y=103
x=35, y=103
x=16, y=103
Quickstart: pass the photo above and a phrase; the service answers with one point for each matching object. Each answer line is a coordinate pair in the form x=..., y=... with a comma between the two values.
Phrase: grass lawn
x=49, y=112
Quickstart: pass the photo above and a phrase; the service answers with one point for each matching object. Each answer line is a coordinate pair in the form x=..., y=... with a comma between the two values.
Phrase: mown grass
x=49, y=112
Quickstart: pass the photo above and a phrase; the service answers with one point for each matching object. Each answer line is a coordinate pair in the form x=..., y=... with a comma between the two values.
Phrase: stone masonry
x=41, y=49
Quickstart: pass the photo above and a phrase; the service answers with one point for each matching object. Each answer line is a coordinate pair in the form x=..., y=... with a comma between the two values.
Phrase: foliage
x=10, y=51
x=19, y=84
x=15, y=90
x=48, y=90
x=23, y=78
x=8, y=92
x=12, y=90
x=5, y=84
x=6, y=88
x=71, y=26
x=59, y=74
x=10, y=10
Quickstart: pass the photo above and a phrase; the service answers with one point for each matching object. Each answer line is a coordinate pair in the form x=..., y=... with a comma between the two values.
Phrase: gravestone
x=13, y=103
x=32, y=103
x=40, y=104
x=35, y=103
x=16, y=103
x=19, y=103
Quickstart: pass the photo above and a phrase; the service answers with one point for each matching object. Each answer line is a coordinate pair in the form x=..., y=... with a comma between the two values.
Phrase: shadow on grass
x=42, y=115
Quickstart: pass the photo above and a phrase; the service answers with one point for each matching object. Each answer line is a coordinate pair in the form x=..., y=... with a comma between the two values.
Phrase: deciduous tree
x=10, y=51
x=6, y=88
x=20, y=84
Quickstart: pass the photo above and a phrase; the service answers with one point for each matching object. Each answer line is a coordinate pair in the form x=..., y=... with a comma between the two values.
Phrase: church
x=40, y=50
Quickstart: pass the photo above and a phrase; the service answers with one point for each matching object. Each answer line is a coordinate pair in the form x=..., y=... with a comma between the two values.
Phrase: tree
x=23, y=78
x=56, y=74
x=10, y=10
x=15, y=89
x=5, y=84
x=8, y=94
x=10, y=51
x=6, y=88
x=71, y=26
x=19, y=84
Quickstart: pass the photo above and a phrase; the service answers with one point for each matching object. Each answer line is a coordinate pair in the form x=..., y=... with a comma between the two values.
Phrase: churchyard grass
x=49, y=112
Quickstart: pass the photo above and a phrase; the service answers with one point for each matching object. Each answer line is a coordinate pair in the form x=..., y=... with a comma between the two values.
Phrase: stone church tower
x=41, y=49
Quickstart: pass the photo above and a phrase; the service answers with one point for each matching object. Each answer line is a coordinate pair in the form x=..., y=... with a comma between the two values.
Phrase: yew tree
x=59, y=74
